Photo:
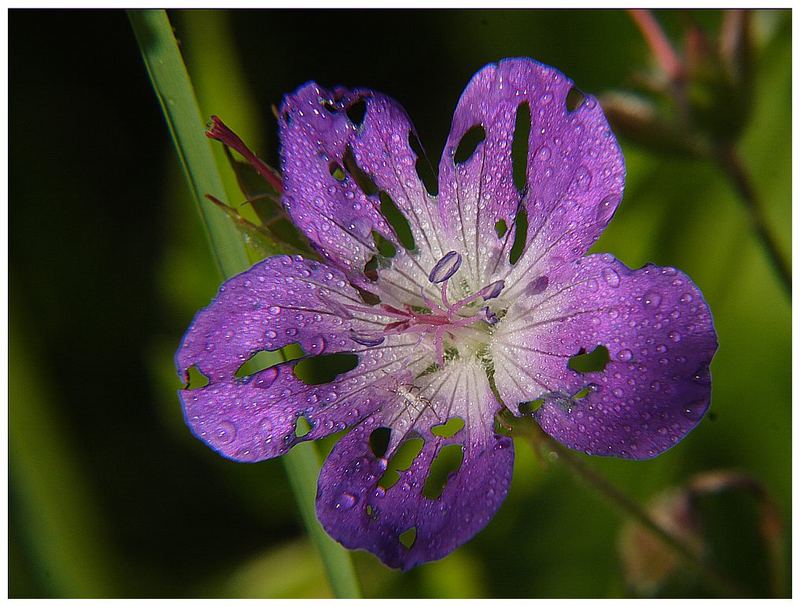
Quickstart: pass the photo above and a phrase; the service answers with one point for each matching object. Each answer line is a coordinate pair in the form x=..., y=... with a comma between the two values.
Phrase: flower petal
x=279, y=301
x=361, y=514
x=660, y=339
x=574, y=173
x=329, y=161
x=322, y=199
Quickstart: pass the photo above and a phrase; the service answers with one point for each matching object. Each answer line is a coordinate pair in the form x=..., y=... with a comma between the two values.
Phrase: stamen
x=490, y=317
x=493, y=290
x=445, y=267
x=487, y=292
x=438, y=342
x=366, y=340
x=378, y=311
x=432, y=305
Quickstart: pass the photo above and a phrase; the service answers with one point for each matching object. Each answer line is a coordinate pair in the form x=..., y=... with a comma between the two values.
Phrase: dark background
x=110, y=495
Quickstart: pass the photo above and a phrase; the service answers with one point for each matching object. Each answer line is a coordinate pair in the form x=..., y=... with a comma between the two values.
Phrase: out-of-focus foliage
x=109, y=493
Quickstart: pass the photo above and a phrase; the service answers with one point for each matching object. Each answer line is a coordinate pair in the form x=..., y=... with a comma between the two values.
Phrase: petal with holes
x=279, y=301
x=360, y=514
x=574, y=169
x=342, y=175
x=660, y=338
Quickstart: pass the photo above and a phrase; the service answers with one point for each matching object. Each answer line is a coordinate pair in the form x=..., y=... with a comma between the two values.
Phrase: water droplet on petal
x=652, y=299
x=225, y=432
x=607, y=208
x=544, y=153
x=345, y=501
x=695, y=410
x=318, y=345
x=611, y=277
x=266, y=377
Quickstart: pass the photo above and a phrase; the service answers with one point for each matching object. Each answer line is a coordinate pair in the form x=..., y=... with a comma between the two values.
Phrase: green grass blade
x=174, y=90
x=56, y=516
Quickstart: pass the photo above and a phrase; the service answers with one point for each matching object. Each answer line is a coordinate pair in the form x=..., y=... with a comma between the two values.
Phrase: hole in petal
x=595, y=361
x=362, y=179
x=371, y=511
x=520, y=235
x=574, y=99
x=403, y=458
x=519, y=148
x=379, y=441
x=195, y=379
x=446, y=463
x=384, y=246
x=263, y=359
x=585, y=391
x=504, y=423
x=367, y=297
x=371, y=268
x=324, y=368
x=528, y=408
x=301, y=427
x=469, y=143
x=337, y=172
x=397, y=220
x=501, y=228
x=408, y=538
x=357, y=111
x=423, y=166
x=448, y=429
x=329, y=106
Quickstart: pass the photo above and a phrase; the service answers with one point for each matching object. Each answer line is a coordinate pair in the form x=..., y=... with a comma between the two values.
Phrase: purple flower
x=448, y=327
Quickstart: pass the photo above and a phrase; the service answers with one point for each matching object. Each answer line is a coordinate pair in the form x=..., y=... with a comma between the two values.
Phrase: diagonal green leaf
x=174, y=90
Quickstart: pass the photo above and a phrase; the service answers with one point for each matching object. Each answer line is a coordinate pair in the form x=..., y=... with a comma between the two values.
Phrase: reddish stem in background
x=219, y=131
x=657, y=41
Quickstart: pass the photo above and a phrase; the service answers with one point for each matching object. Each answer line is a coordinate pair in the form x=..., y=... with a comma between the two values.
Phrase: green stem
x=715, y=579
x=735, y=170
x=175, y=93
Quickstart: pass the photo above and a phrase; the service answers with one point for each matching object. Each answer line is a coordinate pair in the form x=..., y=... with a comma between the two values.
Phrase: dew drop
x=266, y=377
x=606, y=209
x=695, y=410
x=345, y=501
x=318, y=345
x=624, y=354
x=225, y=432
x=266, y=425
x=652, y=299
x=611, y=277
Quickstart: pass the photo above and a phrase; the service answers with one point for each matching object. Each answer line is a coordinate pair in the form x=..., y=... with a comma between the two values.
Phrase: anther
x=445, y=267
x=493, y=290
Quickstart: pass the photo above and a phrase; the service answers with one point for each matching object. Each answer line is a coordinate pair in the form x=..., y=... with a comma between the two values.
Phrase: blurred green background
x=110, y=495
